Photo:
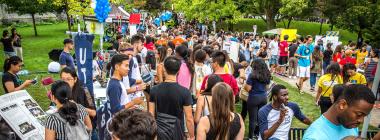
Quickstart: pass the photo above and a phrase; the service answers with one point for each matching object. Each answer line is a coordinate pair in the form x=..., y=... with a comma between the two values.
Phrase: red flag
x=134, y=19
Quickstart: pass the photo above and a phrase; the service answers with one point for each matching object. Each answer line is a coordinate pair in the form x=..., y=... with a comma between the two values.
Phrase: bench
x=297, y=133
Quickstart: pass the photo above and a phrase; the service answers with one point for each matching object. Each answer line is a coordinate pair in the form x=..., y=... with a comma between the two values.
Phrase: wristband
x=137, y=88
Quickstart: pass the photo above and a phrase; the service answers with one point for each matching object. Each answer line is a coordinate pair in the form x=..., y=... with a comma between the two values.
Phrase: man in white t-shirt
x=275, y=118
x=132, y=86
x=274, y=52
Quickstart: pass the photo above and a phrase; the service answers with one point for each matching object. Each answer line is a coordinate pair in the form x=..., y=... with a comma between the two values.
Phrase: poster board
x=292, y=33
x=94, y=27
x=232, y=48
x=328, y=39
x=132, y=30
x=23, y=114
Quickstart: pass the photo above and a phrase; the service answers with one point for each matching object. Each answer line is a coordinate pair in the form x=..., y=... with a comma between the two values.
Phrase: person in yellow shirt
x=325, y=86
x=361, y=54
x=350, y=76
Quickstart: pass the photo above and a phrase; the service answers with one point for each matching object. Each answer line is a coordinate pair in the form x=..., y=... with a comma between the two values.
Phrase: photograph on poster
x=30, y=104
x=26, y=127
x=36, y=112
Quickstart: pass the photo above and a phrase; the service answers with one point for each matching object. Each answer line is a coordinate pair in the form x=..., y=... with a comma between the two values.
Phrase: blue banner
x=83, y=53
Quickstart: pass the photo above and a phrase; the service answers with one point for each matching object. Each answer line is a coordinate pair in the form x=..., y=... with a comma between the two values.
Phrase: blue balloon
x=102, y=9
x=169, y=14
x=123, y=29
x=163, y=17
x=157, y=21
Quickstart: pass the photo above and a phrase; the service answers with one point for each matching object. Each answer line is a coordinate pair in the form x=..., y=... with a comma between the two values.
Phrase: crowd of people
x=196, y=85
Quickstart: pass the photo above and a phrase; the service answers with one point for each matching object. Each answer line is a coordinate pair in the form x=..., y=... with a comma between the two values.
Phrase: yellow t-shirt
x=360, y=56
x=325, y=82
x=358, y=78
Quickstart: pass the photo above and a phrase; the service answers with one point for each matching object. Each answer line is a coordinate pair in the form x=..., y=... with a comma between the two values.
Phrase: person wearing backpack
x=71, y=121
x=170, y=102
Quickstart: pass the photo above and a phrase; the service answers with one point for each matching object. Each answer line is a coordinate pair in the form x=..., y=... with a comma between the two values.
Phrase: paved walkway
x=375, y=117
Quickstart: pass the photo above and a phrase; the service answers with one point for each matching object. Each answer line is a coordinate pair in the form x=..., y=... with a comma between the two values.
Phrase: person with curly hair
x=133, y=124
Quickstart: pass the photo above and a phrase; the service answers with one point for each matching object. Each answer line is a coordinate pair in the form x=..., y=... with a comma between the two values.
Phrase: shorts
x=293, y=62
x=283, y=60
x=303, y=71
x=273, y=60
x=9, y=54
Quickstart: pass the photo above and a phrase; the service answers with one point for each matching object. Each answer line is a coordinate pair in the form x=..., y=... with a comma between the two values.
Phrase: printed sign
x=23, y=115
x=83, y=51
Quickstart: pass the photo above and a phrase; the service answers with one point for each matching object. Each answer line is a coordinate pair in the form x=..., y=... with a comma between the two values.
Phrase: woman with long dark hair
x=161, y=55
x=326, y=83
x=16, y=41
x=187, y=69
x=11, y=82
x=337, y=56
x=222, y=123
x=350, y=76
x=256, y=86
x=204, y=101
x=80, y=94
x=263, y=52
x=67, y=110
x=316, y=67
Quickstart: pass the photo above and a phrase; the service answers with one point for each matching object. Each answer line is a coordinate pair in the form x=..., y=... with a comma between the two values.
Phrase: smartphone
x=34, y=81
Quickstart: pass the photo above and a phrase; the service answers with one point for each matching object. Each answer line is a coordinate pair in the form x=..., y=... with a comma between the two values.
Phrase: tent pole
x=375, y=86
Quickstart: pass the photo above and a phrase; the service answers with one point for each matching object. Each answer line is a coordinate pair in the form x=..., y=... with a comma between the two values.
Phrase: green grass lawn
x=304, y=28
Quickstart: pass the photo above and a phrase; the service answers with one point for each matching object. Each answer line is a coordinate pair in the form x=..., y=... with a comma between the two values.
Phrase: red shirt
x=283, y=48
x=149, y=46
x=347, y=60
x=228, y=79
x=337, y=56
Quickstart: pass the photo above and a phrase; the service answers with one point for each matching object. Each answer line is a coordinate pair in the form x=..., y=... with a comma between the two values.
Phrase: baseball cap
x=68, y=40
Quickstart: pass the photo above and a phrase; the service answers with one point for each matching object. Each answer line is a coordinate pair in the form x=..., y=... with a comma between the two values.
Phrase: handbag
x=243, y=94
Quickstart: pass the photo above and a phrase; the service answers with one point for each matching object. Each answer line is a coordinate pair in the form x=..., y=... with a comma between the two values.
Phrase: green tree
x=332, y=9
x=72, y=7
x=291, y=9
x=209, y=10
x=359, y=16
x=268, y=10
x=31, y=7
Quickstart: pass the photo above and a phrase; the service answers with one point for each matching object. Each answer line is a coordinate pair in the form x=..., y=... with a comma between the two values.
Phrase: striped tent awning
x=332, y=33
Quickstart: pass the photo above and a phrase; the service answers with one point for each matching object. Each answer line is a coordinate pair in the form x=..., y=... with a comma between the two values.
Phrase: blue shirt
x=323, y=129
x=269, y=116
x=114, y=93
x=305, y=51
x=66, y=59
x=257, y=86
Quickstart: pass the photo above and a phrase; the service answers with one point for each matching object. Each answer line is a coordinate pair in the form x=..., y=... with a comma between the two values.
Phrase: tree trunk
x=320, y=28
x=34, y=24
x=289, y=21
x=271, y=23
x=331, y=26
x=360, y=38
x=68, y=20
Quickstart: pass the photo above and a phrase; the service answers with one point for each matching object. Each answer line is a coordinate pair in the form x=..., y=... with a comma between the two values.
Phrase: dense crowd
x=182, y=84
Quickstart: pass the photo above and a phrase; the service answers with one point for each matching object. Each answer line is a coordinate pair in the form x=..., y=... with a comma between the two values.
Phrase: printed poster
x=23, y=115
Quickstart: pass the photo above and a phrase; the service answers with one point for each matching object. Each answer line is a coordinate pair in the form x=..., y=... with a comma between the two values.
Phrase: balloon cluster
x=165, y=16
x=102, y=9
